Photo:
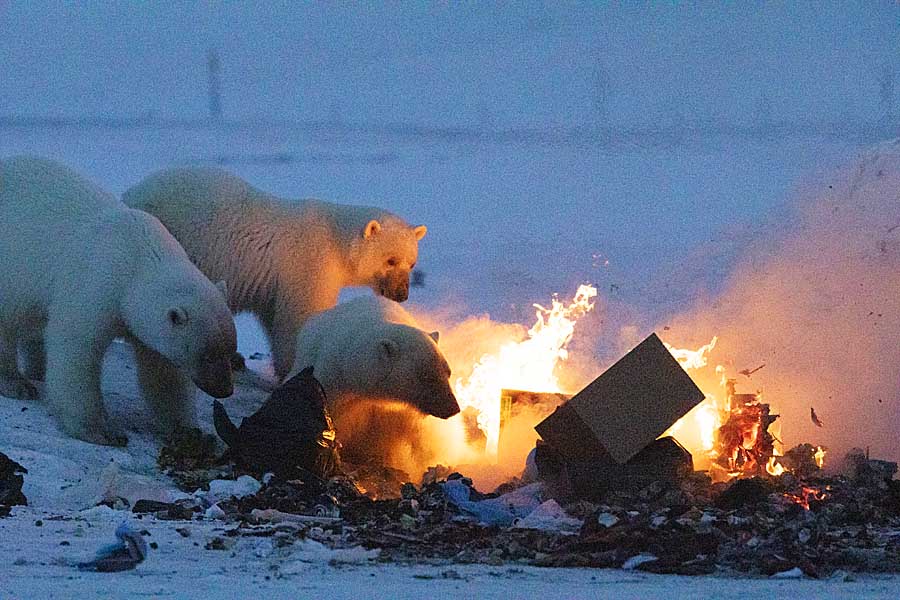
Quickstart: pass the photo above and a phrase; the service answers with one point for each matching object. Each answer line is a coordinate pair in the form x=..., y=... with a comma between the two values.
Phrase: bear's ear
x=223, y=287
x=177, y=316
x=388, y=349
x=420, y=231
x=371, y=228
x=435, y=335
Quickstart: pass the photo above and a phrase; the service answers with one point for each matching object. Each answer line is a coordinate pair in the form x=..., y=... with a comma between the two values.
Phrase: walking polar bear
x=80, y=269
x=382, y=375
x=283, y=260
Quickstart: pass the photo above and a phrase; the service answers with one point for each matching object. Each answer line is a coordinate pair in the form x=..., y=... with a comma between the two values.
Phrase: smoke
x=817, y=300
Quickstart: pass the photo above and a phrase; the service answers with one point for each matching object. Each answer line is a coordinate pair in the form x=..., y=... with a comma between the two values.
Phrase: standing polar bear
x=283, y=260
x=381, y=375
x=80, y=269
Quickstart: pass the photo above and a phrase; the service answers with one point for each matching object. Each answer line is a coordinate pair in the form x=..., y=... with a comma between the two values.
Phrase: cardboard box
x=624, y=409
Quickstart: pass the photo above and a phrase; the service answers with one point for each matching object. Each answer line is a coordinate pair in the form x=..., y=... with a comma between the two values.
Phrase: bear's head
x=410, y=368
x=185, y=318
x=386, y=254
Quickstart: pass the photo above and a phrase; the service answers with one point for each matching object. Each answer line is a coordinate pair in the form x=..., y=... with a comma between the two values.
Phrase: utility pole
x=213, y=66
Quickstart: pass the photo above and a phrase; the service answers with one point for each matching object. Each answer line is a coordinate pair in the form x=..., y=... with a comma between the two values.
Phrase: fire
x=732, y=436
x=697, y=429
x=692, y=359
x=528, y=364
x=736, y=436
x=820, y=456
x=774, y=468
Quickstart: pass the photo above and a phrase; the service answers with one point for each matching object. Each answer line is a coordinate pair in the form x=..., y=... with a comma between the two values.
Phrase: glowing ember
x=806, y=494
x=528, y=364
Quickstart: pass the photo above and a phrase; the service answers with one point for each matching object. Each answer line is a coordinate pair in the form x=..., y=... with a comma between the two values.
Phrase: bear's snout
x=395, y=286
x=444, y=406
x=215, y=377
x=448, y=411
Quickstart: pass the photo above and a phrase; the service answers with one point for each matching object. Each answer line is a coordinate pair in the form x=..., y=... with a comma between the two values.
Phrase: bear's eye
x=392, y=262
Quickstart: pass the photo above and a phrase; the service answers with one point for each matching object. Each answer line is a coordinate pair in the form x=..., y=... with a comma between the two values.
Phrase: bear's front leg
x=75, y=350
x=12, y=383
x=296, y=302
x=283, y=337
x=168, y=391
x=34, y=355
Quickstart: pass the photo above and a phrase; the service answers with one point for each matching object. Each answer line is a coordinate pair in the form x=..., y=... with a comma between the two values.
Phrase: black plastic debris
x=128, y=552
x=290, y=435
x=745, y=492
x=11, y=482
x=664, y=460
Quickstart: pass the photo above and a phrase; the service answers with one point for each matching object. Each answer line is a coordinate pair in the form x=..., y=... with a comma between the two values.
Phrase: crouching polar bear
x=79, y=269
x=283, y=260
x=382, y=375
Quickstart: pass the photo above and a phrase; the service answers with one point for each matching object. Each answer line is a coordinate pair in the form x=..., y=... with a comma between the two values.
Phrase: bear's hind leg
x=12, y=383
x=167, y=390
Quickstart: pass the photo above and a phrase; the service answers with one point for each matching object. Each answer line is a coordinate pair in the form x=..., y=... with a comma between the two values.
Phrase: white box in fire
x=519, y=411
x=627, y=407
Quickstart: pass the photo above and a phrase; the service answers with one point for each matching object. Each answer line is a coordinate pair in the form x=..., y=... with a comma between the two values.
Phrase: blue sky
x=449, y=64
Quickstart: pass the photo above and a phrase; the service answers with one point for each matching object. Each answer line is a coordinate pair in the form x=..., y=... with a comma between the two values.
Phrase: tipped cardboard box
x=624, y=409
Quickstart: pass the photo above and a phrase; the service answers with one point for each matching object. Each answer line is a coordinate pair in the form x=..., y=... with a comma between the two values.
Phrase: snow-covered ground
x=34, y=565
x=509, y=224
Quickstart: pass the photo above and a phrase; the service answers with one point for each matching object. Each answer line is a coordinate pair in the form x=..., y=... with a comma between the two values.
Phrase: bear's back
x=209, y=201
x=39, y=186
x=191, y=190
x=57, y=226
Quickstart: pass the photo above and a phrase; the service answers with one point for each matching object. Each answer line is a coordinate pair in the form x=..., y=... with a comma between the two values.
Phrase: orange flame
x=820, y=456
x=697, y=429
x=774, y=468
x=528, y=364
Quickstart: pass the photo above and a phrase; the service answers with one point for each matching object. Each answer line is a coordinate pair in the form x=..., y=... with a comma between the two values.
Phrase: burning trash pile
x=607, y=485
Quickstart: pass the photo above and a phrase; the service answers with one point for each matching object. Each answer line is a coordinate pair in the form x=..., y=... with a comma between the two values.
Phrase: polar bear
x=381, y=375
x=79, y=269
x=283, y=260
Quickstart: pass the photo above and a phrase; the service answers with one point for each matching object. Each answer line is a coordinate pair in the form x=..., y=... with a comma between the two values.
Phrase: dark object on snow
x=126, y=554
x=625, y=409
x=815, y=418
x=744, y=492
x=11, y=481
x=163, y=510
x=290, y=434
x=664, y=460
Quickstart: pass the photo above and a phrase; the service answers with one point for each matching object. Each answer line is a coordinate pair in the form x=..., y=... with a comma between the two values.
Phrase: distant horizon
x=532, y=64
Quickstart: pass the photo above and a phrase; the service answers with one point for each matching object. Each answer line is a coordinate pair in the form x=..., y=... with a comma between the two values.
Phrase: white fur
x=283, y=260
x=79, y=269
x=381, y=374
